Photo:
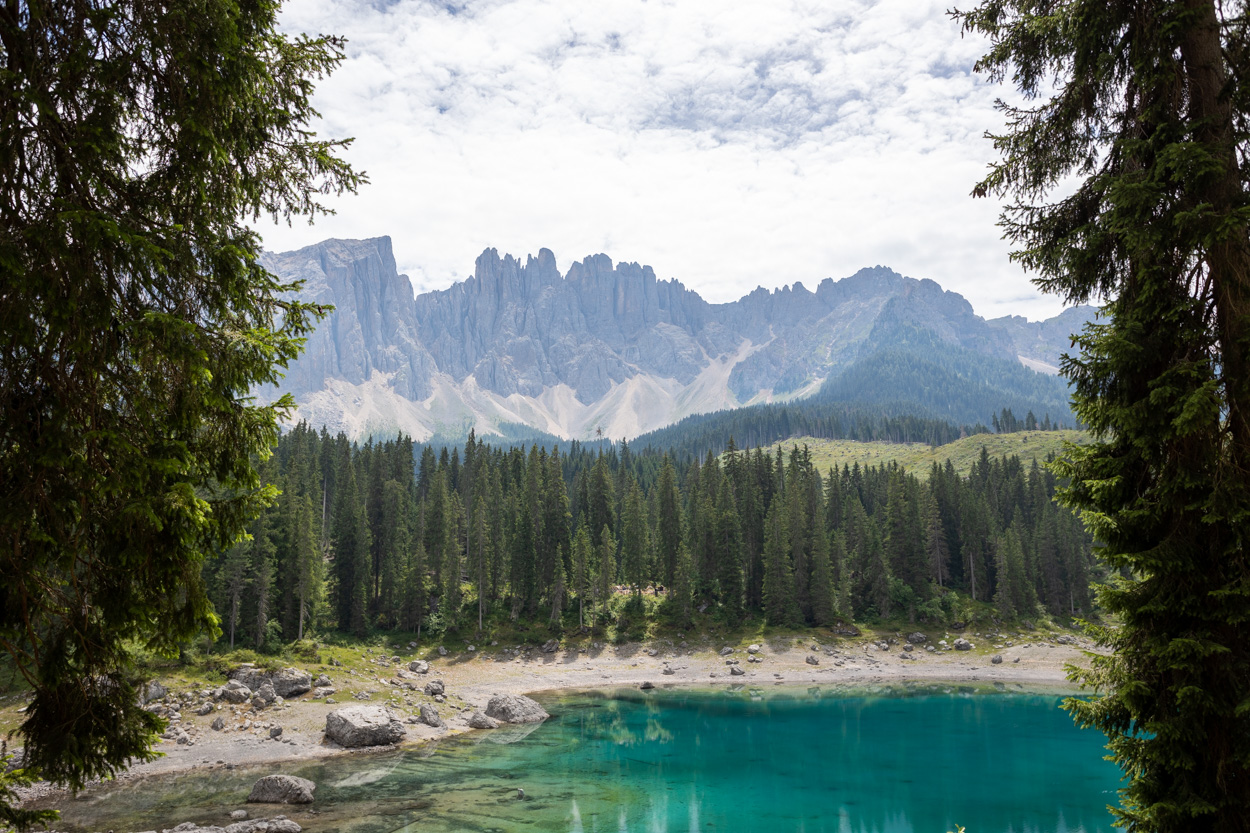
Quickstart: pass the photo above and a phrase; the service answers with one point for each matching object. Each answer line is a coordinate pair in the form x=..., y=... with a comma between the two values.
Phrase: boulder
x=647, y=685
x=917, y=638
x=419, y=666
x=322, y=681
x=908, y=647
x=442, y=652
x=275, y=732
x=736, y=670
x=429, y=716
x=266, y=693
x=962, y=644
x=277, y=824
x=997, y=659
x=154, y=691
x=323, y=691
x=515, y=708
x=238, y=815
x=435, y=687
x=726, y=651
x=282, y=789
x=286, y=682
x=356, y=726
x=843, y=629
x=477, y=720
x=754, y=649
x=204, y=709
x=550, y=646
x=668, y=670
x=812, y=659
x=236, y=692
x=219, y=723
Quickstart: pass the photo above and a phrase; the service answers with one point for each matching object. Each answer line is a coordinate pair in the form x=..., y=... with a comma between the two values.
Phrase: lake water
x=773, y=758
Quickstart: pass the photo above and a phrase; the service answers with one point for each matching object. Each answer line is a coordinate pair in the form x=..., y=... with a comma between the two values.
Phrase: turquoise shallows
x=891, y=759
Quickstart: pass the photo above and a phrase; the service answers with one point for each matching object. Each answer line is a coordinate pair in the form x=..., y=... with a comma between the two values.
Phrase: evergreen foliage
x=137, y=139
x=859, y=542
x=1139, y=111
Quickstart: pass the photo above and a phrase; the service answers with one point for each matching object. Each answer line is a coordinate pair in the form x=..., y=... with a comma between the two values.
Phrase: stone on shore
x=430, y=717
x=356, y=726
x=962, y=644
x=515, y=708
x=477, y=720
x=286, y=682
x=282, y=789
x=419, y=666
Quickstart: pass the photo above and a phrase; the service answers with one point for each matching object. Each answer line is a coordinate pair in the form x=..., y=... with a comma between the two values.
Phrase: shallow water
x=773, y=758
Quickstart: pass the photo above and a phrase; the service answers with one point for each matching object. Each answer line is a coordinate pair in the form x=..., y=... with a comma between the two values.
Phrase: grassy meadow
x=917, y=458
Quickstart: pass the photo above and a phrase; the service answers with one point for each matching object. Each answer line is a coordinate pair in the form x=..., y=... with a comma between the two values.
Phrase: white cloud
x=728, y=143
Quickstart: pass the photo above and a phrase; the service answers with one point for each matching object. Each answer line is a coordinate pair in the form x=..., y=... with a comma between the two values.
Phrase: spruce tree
x=780, y=606
x=1138, y=109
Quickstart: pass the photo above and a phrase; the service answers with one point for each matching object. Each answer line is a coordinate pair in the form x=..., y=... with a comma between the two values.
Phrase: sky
x=726, y=143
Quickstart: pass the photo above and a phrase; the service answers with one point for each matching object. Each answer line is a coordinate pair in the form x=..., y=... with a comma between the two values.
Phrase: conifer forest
x=396, y=536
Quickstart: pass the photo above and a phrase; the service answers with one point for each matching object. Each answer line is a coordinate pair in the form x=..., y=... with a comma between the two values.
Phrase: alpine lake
x=882, y=759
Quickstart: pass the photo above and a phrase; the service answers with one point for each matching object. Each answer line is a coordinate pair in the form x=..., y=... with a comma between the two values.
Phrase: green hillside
x=917, y=458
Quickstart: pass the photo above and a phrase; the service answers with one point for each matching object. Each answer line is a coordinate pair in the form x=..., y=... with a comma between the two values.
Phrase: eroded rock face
x=518, y=327
x=356, y=726
x=282, y=789
x=515, y=708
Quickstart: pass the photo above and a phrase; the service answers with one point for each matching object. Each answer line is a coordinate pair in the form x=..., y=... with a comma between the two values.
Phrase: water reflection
x=883, y=760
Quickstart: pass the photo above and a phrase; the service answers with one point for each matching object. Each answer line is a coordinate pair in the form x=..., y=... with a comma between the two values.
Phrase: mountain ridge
x=603, y=347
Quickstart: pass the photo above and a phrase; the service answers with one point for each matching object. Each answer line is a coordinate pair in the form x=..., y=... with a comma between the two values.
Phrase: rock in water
x=277, y=824
x=477, y=720
x=647, y=685
x=515, y=708
x=282, y=789
x=355, y=726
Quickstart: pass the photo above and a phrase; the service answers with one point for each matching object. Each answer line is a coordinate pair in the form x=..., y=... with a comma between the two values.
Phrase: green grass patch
x=918, y=458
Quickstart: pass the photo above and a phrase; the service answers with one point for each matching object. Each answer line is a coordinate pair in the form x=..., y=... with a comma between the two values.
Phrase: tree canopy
x=1126, y=171
x=137, y=138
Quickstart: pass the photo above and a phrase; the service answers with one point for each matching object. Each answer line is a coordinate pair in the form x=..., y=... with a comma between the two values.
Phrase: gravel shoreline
x=471, y=678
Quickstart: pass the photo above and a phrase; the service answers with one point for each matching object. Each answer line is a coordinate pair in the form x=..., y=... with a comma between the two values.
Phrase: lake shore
x=470, y=678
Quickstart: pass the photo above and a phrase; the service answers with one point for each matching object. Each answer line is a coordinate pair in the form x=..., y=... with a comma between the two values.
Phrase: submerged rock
x=282, y=789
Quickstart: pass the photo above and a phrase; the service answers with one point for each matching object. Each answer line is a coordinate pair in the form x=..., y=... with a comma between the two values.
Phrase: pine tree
x=1137, y=111
x=780, y=606
x=633, y=539
x=668, y=528
x=728, y=553
x=580, y=578
x=607, y=569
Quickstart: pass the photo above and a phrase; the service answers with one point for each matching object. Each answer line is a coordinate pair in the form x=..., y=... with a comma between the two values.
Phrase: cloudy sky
x=729, y=144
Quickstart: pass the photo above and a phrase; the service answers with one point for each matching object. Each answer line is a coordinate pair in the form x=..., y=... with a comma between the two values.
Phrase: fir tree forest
x=395, y=536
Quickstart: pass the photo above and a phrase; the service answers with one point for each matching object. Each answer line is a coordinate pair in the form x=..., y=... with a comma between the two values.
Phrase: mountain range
x=610, y=348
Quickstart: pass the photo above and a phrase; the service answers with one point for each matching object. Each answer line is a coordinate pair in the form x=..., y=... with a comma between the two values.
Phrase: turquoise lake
x=892, y=759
